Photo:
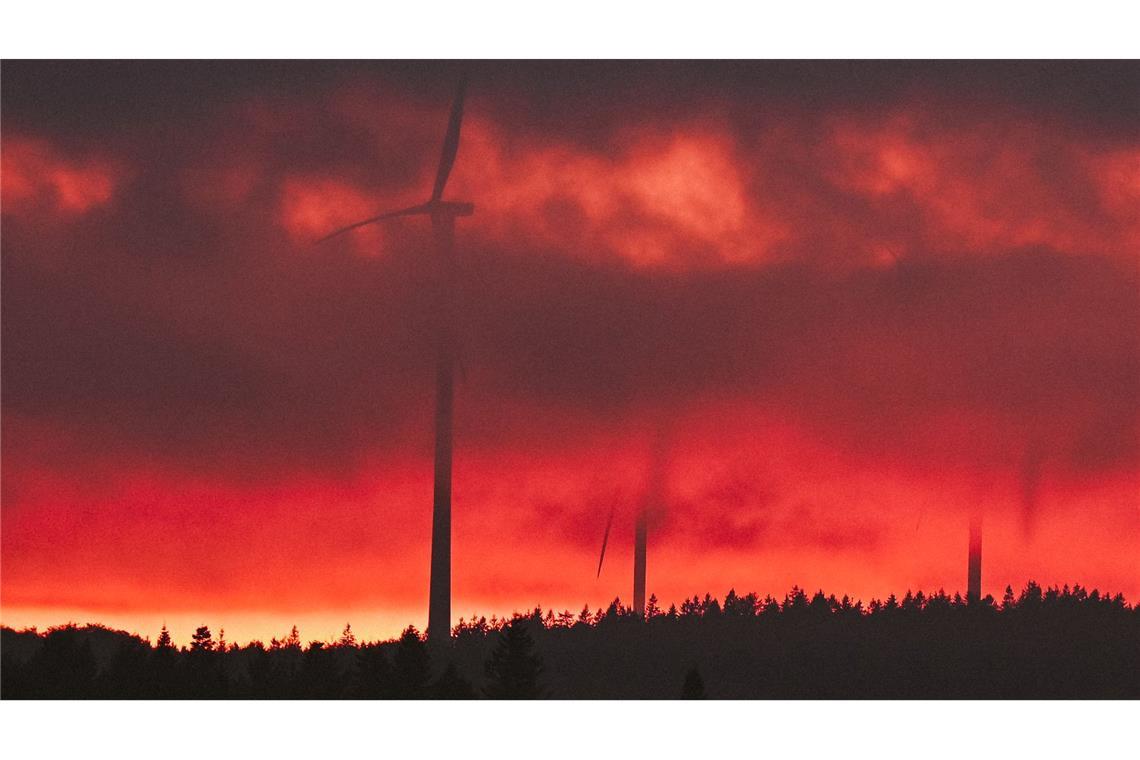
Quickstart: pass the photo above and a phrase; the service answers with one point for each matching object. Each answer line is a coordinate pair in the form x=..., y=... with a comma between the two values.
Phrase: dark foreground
x=1043, y=644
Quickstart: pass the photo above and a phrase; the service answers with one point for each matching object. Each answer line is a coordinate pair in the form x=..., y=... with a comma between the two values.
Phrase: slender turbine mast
x=653, y=497
x=974, y=571
x=442, y=214
x=640, y=549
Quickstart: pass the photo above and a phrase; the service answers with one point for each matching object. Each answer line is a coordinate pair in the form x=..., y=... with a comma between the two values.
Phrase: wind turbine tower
x=974, y=571
x=654, y=500
x=640, y=541
x=443, y=215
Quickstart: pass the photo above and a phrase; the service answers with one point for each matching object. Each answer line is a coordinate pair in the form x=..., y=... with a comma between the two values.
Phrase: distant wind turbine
x=974, y=570
x=442, y=214
x=653, y=496
x=654, y=499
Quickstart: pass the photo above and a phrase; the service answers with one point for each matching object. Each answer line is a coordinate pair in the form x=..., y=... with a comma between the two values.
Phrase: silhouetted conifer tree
x=129, y=675
x=652, y=609
x=451, y=685
x=411, y=666
x=205, y=667
x=771, y=607
x=202, y=640
x=514, y=669
x=320, y=674
x=584, y=615
x=260, y=672
x=64, y=668
x=165, y=667
x=710, y=607
x=375, y=676
x=694, y=686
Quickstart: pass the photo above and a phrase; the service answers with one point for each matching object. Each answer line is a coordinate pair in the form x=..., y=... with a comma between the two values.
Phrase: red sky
x=851, y=302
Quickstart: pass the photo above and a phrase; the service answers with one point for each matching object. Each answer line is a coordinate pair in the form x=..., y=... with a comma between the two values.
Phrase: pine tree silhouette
x=65, y=667
x=652, y=609
x=202, y=640
x=411, y=666
x=320, y=676
x=1007, y=600
x=164, y=663
x=584, y=616
x=451, y=685
x=206, y=677
x=514, y=669
x=694, y=686
x=129, y=675
x=374, y=673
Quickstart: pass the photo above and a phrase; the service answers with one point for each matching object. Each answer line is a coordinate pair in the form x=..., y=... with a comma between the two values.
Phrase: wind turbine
x=653, y=497
x=974, y=570
x=442, y=214
x=639, y=554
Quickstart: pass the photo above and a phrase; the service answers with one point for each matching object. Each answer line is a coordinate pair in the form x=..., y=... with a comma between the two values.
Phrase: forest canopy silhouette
x=1054, y=643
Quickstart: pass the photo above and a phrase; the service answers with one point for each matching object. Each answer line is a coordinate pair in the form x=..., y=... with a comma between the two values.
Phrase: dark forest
x=1055, y=643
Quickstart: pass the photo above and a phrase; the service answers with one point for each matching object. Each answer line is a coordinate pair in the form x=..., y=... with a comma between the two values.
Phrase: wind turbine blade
x=606, y=540
x=423, y=208
x=450, y=142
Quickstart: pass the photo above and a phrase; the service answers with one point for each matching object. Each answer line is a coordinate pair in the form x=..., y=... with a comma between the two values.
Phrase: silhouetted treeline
x=1043, y=643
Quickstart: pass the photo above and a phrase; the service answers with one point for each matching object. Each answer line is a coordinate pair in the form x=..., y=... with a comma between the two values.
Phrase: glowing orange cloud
x=311, y=209
x=1012, y=183
x=651, y=199
x=35, y=174
x=696, y=195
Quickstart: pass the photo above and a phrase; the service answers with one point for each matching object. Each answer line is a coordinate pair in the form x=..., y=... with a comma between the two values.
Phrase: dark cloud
x=187, y=314
x=552, y=96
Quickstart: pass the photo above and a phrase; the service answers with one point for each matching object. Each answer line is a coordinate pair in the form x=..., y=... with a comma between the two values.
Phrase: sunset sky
x=849, y=303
